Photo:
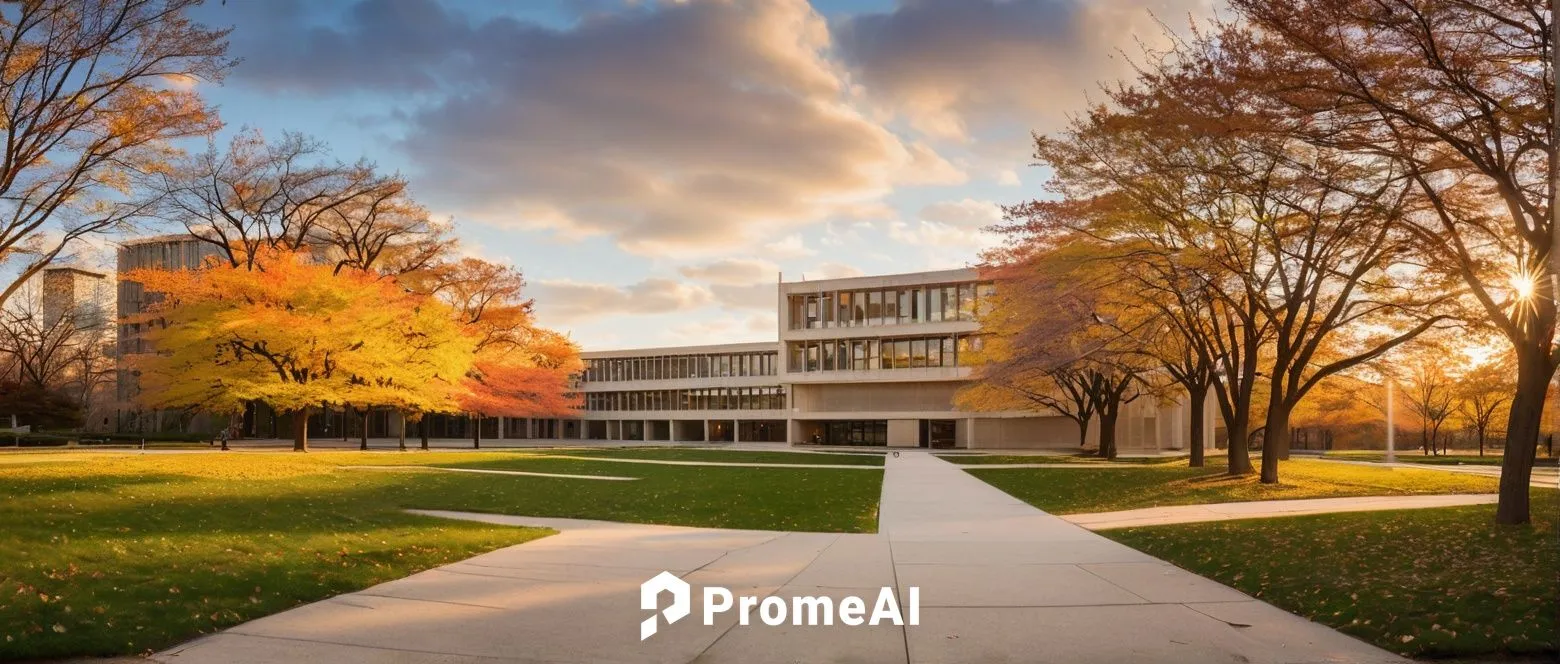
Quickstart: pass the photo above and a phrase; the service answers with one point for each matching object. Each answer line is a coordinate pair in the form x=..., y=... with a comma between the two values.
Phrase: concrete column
x=645, y=430
x=707, y=430
x=736, y=431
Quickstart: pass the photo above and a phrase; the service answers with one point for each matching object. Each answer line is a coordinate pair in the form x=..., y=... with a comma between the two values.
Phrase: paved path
x=1159, y=516
x=999, y=581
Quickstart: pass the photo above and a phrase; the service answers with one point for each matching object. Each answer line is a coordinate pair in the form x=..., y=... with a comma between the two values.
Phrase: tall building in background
x=167, y=252
x=78, y=308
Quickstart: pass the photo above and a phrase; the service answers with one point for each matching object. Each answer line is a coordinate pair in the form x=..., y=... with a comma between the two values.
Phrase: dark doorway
x=937, y=433
x=857, y=432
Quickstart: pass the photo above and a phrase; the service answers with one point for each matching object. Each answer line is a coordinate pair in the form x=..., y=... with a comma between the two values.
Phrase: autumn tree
x=1457, y=95
x=297, y=335
x=520, y=369
x=93, y=92
x=1429, y=393
x=1053, y=337
x=61, y=351
x=291, y=195
x=1481, y=392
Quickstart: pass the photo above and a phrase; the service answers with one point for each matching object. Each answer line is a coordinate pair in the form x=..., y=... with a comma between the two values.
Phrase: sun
x=1524, y=286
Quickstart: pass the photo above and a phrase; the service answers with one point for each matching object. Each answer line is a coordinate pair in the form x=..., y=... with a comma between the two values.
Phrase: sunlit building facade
x=868, y=361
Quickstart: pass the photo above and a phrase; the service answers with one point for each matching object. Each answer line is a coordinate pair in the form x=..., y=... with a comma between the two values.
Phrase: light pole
x=1391, y=428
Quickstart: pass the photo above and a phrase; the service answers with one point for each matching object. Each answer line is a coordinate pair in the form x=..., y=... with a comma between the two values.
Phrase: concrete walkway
x=1160, y=516
x=999, y=581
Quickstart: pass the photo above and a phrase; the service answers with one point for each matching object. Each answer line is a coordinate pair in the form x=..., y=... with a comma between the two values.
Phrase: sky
x=653, y=166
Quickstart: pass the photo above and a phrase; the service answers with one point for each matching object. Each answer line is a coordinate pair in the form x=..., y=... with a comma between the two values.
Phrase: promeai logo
x=650, y=599
x=773, y=611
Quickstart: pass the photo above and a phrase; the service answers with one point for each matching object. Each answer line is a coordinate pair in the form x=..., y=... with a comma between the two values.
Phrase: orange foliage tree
x=297, y=335
x=520, y=369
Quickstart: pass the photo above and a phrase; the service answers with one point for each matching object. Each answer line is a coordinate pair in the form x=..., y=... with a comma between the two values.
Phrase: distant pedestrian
x=224, y=437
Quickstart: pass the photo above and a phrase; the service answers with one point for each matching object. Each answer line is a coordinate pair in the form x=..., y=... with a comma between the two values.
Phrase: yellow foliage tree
x=295, y=336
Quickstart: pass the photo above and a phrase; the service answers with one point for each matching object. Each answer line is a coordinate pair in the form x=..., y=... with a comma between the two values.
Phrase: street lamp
x=1391, y=428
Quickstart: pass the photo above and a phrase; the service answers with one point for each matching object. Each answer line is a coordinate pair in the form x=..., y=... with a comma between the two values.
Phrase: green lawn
x=728, y=456
x=985, y=459
x=1073, y=491
x=1490, y=459
x=108, y=554
x=1442, y=582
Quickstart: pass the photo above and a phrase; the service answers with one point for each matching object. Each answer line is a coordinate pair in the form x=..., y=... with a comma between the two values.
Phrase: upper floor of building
x=945, y=301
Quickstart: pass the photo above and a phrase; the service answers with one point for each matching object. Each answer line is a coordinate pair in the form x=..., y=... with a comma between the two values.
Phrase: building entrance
x=937, y=433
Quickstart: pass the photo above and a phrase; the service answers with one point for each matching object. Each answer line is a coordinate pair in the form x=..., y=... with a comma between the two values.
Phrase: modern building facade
x=871, y=361
x=859, y=361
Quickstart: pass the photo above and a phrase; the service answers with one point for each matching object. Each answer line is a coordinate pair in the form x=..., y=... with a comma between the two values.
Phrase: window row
x=868, y=354
x=892, y=306
x=680, y=366
x=715, y=398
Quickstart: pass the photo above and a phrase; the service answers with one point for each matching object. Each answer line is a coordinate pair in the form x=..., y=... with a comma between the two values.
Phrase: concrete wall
x=904, y=433
x=874, y=397
x=1021, y=433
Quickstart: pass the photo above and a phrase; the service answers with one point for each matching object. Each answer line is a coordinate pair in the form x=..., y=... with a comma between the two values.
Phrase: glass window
x=858, y=355
x=828, y=356
x=934, y=352
x=902, y=354
x=812, y=356
x=859, y=307
x=797, y=312
x=947, y=352
x=966, y=301
x=812, y=311
x=795, y=359
x=875, y=308
x=918, y=353
x=844, y=317
x=826, y=309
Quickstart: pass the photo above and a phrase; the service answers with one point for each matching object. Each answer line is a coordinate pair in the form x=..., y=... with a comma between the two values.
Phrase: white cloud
x=695, y=127
x=732, y=271
x=967, y=213
x=951, y=66
x=790, y=246
x=563, y=301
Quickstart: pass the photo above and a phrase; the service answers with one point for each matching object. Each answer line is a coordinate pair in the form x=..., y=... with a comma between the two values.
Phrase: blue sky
x=651, y=165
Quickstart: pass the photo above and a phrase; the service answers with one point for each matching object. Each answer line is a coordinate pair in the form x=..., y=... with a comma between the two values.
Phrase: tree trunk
x=1522, y=427
x=363, y=440
x=1238, y=457
x=300, y=430
x=1275, y=440
x=1108, y=434
x=1197, y=402
x=422, y=430
x=1481, y=441
x=1083, y=431
x=401, y=416
x=476, y=433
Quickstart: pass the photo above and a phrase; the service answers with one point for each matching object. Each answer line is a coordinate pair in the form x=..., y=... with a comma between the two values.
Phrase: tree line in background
x=330, y=287
x=1281, y=200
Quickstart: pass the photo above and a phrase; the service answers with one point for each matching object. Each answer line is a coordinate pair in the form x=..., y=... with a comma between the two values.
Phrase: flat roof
x=750, y=347
x=882, y=280
x=77, y=268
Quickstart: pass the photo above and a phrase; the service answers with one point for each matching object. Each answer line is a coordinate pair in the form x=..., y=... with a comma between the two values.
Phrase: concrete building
x=165, y=252
x=858, y=361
